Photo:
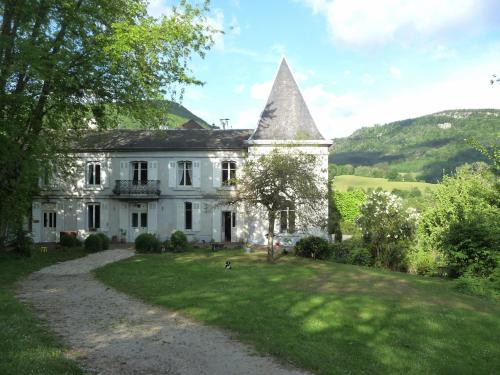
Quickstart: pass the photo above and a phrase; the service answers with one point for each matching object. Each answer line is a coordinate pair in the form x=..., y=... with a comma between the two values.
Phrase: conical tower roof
x=286, y=116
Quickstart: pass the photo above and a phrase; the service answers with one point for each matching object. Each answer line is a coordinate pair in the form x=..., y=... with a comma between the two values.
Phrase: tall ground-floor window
x=94, y=216
x=287, y=220
x=188, y=215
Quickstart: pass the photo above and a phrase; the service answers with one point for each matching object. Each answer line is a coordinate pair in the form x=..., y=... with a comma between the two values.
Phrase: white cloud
x=239, y=89
x=260, y=91
x=367, y=79
x=247, y=118
x=369, y=21
x=216, y=21
x=234, y=26
x=159, y=8
x=395, y=72
x=338, y=115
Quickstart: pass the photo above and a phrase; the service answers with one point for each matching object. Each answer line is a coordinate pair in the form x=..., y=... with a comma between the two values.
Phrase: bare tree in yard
x=275, y=180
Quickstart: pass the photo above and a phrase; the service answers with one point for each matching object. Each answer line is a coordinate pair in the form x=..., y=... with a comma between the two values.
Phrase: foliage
x=70, y=241
x=22, y=334
x=420, y=262
x=23, y=243
x=462, y=222
x=387, y=228
x=178, y=241
x=351, y=251
x=347, y=319
x=283, y=178
x=62, y=63
x=426, y=145
x=469, y=283
x=147, y=243
x=360, y=256
x=93, y=243
x=349, y=203
x=313, y=247
x=105, y=241
x=334, y=216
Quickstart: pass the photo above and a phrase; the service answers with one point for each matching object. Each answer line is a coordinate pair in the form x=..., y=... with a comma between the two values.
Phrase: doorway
x=138, y=220
x=49, y=226
x=226, y=225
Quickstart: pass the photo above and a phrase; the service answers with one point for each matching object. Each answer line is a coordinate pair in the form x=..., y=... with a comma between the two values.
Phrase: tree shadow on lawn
x=329, y=318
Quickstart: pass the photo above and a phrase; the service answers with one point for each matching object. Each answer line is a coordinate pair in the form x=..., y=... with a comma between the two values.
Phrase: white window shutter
x=124, y=170
x=171, y=174
x=216, y=174
x=152, y=217
x=196, y=174
x=36, y=212
x=104, y=217
x=216, y=224
x=180, y=216
x=153, y=170
x=196, y=217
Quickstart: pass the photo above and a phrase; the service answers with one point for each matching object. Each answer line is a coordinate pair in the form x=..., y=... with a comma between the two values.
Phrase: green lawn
x=326, y=317
x=26, y=346
x=342, y=183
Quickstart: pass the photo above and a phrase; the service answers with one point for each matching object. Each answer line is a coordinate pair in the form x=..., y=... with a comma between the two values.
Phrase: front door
x=138, y=220
x=226, y=225
x=49, y=226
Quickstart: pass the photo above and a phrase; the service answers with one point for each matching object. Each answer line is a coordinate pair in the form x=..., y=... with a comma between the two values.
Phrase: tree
x=283, y=178
x=461, y=223
x=68, y=64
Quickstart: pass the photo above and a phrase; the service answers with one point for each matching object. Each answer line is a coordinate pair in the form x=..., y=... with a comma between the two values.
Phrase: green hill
x=176, y=115
x=423, y=147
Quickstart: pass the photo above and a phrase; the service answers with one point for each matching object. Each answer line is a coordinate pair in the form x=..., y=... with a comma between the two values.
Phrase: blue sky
x=357, y=62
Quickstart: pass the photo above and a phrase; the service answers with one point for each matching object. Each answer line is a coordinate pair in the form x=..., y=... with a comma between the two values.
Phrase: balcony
x=137, y=189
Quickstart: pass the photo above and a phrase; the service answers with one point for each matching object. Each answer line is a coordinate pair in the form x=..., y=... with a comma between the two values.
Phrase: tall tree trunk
x=270, y=236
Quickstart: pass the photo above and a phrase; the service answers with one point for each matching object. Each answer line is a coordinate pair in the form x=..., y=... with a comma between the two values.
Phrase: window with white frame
x=287, y=219
x=139, y=172
x=93, y=173
x=188, y=215
x=228, y=173
x=185, y=173
x=93, y=216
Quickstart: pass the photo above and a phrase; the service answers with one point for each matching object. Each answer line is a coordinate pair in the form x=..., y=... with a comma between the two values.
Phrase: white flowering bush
x=387, y=228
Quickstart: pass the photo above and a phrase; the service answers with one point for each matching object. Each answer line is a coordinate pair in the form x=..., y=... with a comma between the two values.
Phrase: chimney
x=224, y=123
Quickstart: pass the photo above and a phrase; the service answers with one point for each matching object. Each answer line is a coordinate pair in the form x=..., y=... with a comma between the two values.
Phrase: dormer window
x=228, y=173
x=185, y=173
x=94, y=173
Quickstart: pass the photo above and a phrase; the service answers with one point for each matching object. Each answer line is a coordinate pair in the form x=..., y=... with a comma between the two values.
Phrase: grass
x=325, y=317
x=26, y=346
x=342, y=183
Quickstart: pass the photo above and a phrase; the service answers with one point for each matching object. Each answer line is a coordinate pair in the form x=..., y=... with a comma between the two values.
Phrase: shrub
x=340, y=251
x=313, y=247
x=387, y=228
x=147, y=243
x=23, y=243
x=178, y=241
x=348, y=203
x=105, y=241
x=422, y=262
x=461, y=223
x=360, y=256
x=69, y=241
x=93, y=243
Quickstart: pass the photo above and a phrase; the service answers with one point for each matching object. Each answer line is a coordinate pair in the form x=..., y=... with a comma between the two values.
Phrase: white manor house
x=157, y=181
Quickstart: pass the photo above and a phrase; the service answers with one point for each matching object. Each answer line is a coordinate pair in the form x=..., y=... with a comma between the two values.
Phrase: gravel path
x=111, y=333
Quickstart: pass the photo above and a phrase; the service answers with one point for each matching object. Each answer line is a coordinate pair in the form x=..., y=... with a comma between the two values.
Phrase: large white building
x=134, y=181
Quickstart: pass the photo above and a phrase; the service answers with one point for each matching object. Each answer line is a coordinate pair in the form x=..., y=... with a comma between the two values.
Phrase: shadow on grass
x=322, y=316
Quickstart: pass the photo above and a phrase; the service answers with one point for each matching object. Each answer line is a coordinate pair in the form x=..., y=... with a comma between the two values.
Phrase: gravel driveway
x=109, y=332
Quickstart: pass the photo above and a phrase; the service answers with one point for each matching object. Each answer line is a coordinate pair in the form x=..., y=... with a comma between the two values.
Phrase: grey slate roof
x=157, y=140
x=286, y=116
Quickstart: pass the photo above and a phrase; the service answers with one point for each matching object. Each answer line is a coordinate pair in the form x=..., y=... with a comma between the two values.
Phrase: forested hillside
x=176, y=115
x=421, y=148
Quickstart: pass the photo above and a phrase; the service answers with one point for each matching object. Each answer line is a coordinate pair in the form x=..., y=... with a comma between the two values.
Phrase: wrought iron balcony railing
x=137, y=187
